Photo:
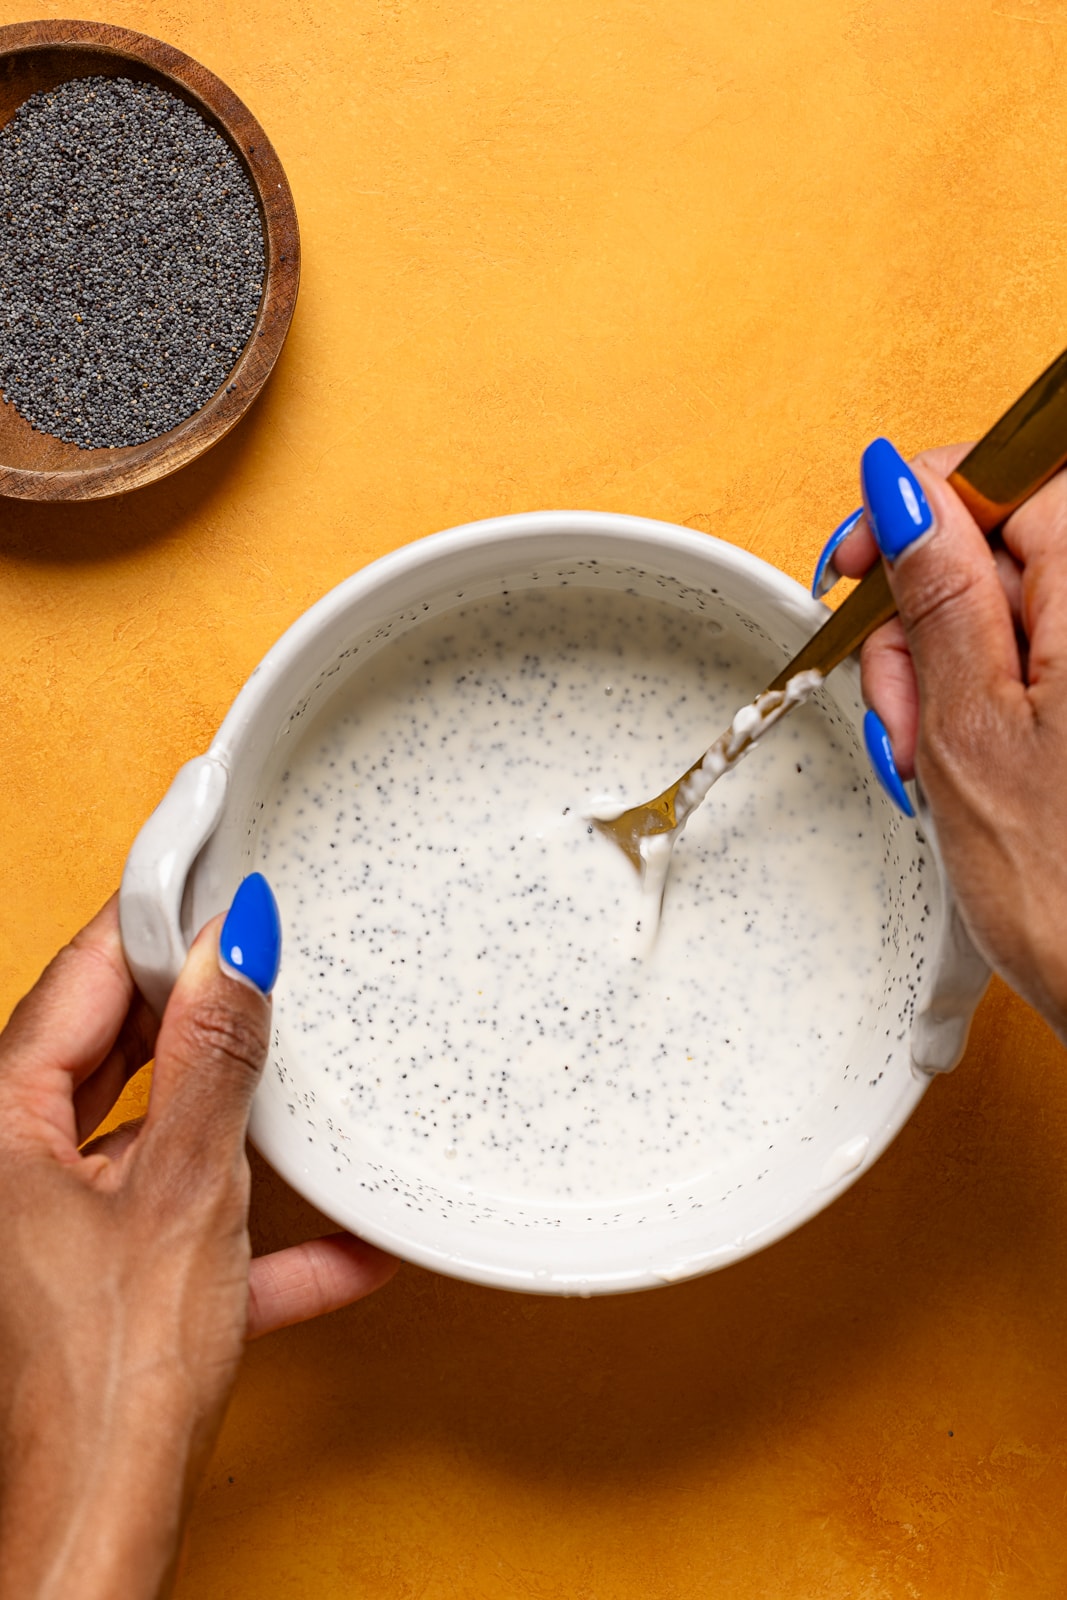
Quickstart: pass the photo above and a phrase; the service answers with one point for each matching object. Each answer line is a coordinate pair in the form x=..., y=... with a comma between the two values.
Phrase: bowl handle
x=157, y=869
x=958, y=979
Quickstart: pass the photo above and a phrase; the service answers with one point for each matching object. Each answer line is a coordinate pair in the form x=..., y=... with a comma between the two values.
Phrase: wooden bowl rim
x=117, y=470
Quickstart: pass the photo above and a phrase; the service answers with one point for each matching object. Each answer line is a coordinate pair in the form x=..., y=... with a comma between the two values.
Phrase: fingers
x=944, y=577
x=1036, y=538
x=891, y=689
x=72, y=1016
x=856, y=553
x=890, y=681
x=214, y=1037
x=135, y=1045
x=114, y=1144
x=857, y=550
x=1011, y=581
x=82, y=1018
x=310, y=1279
x=292, y=1285
x=211, y=1049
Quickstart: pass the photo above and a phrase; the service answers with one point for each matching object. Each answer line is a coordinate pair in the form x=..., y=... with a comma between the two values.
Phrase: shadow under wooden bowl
x=36, y=56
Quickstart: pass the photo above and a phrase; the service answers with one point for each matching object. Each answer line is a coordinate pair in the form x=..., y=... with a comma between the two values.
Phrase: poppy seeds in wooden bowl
x=149, y=260
x=131, y=261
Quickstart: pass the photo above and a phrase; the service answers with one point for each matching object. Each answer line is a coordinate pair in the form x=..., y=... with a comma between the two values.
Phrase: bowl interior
x=708, y=1218
x=38, y=56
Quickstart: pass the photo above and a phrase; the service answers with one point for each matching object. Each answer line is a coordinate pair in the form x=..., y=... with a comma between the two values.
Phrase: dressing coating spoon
x=1008, y=464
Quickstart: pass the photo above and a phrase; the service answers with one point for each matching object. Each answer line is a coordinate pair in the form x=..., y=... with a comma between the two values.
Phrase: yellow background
x=681, y=260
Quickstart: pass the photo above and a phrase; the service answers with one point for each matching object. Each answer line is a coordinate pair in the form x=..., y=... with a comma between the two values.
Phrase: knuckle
x=937, y=591
x=938, y=740
x=90, y=953
x=941, y=459
x=227, y=1038
x=1040, y=524
x=885, y=655
x=956, y=740
x=81, y=955
x=194, y=1187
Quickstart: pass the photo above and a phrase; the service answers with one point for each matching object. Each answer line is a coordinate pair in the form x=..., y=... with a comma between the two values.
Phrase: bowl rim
x=592, y=528
x=439, y=547
x=111, y=471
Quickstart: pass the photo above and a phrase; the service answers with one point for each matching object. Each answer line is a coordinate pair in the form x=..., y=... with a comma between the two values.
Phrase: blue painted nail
x=250, y=944
x=898, y=510
x=826, y=574
x=880, y=751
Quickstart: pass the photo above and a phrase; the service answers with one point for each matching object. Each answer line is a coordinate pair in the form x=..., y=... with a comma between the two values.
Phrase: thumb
x=944, y=579
x=215, y=1034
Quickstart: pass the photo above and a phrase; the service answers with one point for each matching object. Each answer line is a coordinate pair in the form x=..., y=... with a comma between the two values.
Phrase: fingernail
x=250, y=945
x=898, y=510
x=826, y=574
x=880, y=751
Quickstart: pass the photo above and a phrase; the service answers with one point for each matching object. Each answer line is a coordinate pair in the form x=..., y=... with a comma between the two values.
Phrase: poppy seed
x=131, y=261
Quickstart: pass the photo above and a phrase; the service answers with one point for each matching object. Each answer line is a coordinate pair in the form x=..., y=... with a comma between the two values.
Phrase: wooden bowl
x=39, y=55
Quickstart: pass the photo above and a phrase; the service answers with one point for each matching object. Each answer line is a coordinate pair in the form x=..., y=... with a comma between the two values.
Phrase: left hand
x=126, y=1285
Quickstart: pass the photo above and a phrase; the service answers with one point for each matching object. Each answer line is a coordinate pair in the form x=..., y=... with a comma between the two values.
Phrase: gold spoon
x=1018, y=454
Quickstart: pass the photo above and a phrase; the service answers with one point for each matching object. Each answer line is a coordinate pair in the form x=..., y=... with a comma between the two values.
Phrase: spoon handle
x=1005, y=467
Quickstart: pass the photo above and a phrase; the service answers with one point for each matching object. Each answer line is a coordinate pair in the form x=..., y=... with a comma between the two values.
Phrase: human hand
x=969, y=689
x=126, y=1285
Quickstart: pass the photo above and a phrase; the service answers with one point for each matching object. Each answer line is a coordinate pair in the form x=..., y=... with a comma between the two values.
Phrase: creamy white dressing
x=468, y=975
x=747, y=727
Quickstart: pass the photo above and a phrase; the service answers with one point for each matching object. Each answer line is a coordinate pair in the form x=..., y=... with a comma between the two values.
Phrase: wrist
x=96, y=1483
x=1044, y=986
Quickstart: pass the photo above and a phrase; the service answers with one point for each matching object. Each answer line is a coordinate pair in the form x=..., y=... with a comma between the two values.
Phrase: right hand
x=970, y=681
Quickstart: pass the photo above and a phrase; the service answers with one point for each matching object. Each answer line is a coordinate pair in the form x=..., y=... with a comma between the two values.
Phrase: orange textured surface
x=682, y=261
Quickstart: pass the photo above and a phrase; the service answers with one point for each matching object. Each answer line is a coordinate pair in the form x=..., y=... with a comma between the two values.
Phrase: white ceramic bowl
x=193, y=851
